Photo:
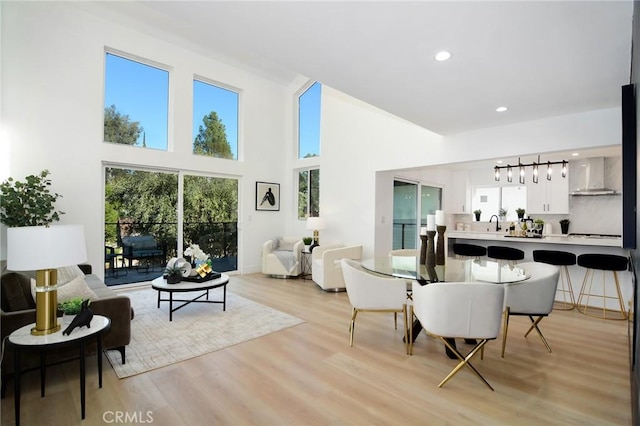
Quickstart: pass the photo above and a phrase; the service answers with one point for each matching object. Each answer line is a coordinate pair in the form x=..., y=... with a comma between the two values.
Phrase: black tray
x=198, y=279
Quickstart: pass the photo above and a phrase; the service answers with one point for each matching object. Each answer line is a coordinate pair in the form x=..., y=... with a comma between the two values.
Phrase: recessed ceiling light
x=499, y=161
x=501, y=109
x=575, y=154
x=442, y=56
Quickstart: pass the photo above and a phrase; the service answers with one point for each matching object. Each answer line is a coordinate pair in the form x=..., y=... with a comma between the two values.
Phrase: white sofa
x=326, y=269
x=281, y=257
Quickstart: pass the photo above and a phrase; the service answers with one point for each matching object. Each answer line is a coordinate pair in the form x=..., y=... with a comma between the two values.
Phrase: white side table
x=22, y=339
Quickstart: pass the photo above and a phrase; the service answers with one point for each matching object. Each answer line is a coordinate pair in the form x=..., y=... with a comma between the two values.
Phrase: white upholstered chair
x=533, y=297
x=373, y=293
x=459, y=310
x=326, y=270
x=281, y=257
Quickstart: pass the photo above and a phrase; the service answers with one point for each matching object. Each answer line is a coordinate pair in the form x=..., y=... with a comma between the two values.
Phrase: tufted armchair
x=326, y=269
x=281, y=257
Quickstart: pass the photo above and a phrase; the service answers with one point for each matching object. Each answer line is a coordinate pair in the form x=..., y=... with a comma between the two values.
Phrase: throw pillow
x=74, y=288
x=286, y=245
x=68, y=273
x=12, y=295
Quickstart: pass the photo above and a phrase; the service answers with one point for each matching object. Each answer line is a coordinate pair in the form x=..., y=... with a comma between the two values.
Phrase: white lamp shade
x=30, y=248
x=316, y=223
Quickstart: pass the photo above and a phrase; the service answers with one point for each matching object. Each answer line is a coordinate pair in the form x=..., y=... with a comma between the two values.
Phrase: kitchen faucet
x=497, y=222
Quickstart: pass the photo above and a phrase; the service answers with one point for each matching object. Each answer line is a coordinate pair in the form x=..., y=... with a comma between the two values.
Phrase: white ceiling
x=540, y=59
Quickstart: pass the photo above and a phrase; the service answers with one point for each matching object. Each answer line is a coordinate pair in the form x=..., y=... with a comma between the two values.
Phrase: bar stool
x=469, y=250
x=601, y=262
x=505, y=253
x=563, y=259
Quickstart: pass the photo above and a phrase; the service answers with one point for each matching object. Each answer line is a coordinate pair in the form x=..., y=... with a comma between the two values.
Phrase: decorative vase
x=564, y=227
x=174, y=279
x=477, y=217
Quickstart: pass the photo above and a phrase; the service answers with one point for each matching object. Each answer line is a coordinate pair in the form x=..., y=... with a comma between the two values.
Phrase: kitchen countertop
x=546, y=239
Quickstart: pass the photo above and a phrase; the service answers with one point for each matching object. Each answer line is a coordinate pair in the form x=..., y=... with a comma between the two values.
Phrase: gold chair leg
x=505, y=328
x=464, y=361
x=410, y=333
x=534, y=325
x=406, y=337
x=352, y=326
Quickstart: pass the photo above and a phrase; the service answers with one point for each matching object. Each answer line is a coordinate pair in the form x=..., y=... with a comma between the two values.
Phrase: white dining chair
x=533, y=297
x=372, y=293
x=466, y=310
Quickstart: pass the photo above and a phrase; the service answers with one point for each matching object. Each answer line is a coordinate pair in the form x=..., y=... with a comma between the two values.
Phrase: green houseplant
x=520, y=213
x=502, y=212
x=28, y=203
x=174, y=274
x=307, y=241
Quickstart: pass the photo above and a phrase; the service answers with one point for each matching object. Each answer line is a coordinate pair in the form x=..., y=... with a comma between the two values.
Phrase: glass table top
x=454, y=270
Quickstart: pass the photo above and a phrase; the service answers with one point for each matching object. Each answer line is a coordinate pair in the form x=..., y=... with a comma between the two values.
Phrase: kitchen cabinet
x=548, y=196
x=460, y=199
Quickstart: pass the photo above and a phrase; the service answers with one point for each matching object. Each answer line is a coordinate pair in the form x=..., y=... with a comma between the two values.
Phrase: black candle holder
x=440, y=248
x=423, y=249
x=431, y=254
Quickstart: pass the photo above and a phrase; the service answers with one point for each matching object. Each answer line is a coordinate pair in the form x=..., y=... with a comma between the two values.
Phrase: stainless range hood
x=591, y=179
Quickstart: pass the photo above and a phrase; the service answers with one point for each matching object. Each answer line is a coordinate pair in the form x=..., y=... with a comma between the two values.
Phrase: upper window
x=136, y=103
x=215, y=121
x=309, y=122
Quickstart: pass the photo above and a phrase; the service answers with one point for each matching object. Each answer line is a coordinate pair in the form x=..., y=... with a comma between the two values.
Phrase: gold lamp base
x=46, y=303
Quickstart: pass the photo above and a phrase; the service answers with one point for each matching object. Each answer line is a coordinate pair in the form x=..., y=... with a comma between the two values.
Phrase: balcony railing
x=218, y=239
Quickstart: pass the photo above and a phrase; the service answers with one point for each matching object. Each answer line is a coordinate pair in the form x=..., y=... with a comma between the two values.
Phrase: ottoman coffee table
x=160, y=284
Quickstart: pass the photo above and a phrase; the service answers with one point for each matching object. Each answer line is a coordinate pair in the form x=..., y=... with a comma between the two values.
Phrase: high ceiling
x=539, y=59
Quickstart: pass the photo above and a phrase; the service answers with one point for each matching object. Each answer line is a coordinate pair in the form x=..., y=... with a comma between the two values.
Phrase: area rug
x=196, y=329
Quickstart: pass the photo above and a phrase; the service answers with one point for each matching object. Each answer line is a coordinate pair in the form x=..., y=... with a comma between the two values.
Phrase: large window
x=146, y=224
x=309, y=122
x=136, y=103
x=308, y=193
x=491, y=199
x=215, y=121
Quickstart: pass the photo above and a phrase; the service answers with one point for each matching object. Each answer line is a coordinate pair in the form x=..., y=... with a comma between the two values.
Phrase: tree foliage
x=28, y=203
x=118, y=128
x=212, y=138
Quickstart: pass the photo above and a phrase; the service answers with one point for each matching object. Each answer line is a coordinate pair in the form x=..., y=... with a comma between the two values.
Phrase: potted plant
x=538, y=226
x=520, y=213
x=174, y=274
x=28, y=203
x=564, y=225
x=477, y=213
x=307, y=242
x=502, y=212
x=70, y=308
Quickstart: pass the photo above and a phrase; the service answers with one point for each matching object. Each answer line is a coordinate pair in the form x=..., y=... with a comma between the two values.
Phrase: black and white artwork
x=268, y=196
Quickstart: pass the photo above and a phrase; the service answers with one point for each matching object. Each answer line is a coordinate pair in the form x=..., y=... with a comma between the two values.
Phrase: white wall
x=52, y=104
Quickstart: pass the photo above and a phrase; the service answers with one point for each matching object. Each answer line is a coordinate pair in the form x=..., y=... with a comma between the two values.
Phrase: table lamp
x=43, y=249
x=315, y=224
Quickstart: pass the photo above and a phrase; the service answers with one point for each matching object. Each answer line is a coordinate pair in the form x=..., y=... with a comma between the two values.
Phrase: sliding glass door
x=149, y=219
x=406, y=211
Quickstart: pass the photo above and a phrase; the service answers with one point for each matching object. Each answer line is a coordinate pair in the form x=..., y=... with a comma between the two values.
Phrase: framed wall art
x=268, y=196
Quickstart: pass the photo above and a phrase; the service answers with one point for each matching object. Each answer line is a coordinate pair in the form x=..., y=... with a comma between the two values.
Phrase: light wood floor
x=308, y=375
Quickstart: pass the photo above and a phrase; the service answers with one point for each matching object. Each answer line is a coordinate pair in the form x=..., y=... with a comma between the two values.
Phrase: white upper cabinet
x=460, y=198
x=548, y=196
